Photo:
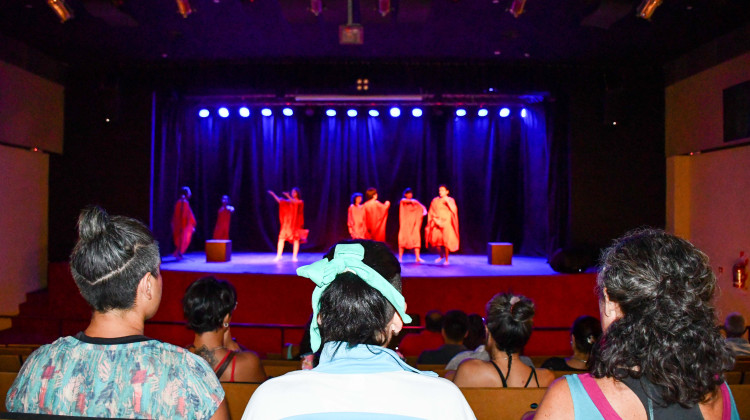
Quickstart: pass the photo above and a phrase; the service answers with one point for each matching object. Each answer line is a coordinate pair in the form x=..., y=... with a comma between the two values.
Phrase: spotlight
x=223, y=112
x=460, y=112
x=352, y=113
x=184, y=8
x=416, y=112
x=287, y=112
x=244, y=112
x=61, y=9
x=203, y=113
x=374, y=113
x=266, y=112
x=504, y=112
x=647, y=8
x=483, y=112
x=316, y=7
x=331, y=112
x=523, y=113
x=395, y=112
x=516, y=8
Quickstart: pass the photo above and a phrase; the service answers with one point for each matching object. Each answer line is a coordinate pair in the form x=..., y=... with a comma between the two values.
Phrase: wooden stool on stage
x=499, y=253
x=218, y=250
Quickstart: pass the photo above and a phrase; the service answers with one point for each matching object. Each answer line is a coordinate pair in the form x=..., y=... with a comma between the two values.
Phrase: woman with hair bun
x=509, y=323
x=661, y=354
x=208, y=304
x=584, y=333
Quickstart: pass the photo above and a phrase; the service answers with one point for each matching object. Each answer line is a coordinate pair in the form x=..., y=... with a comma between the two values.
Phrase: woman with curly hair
x=661, y=354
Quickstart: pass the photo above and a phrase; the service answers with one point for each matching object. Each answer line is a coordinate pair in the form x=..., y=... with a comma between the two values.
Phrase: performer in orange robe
x=183, y=223
x=292, y=219
x=442, y=225
x=356, y=219
x=376, y=215
x=410, y=214
x=221, y=231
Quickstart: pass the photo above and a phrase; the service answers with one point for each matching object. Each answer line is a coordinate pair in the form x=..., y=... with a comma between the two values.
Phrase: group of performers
x=367, y=219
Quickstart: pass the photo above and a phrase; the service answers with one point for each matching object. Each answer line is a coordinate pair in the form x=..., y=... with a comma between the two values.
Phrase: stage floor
x=460, y=265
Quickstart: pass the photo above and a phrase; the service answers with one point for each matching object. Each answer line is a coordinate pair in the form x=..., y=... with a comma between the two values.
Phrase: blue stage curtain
x=496, y=168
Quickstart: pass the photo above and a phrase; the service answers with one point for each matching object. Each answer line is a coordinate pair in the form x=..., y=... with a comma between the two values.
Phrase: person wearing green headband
x=357, y=309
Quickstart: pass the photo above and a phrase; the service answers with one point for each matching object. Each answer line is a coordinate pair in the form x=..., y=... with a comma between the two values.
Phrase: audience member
x=583, y=335
x=455, y=328
x=208, y=304
x=661, y=355
x=734, y=325
x=111, y=369
x=509, y=323
x=357, y=309
x=431, y=337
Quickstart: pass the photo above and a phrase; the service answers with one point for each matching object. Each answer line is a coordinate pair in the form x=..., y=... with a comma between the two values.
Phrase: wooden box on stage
x=218, y=250
x=499, y=253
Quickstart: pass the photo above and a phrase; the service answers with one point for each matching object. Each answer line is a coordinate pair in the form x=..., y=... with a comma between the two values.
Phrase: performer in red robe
x=221, y=231
x=356, y=219
x=183, y=224
x=376, y=215
x=292, y=219
x=410, y=214
x=442, y=225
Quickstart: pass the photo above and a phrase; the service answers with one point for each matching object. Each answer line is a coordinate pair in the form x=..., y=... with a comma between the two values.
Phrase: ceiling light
x=460, y=112
x=203, y=113
x=223, y=112
x=244, y=112
x=504, y=112
x=352, y=113
x=331, y=112
x=61, y=9
x=647, y=8
x=523, y=113
x=266, y=112
x=395, y=112
x=483, y=112
x=183, y=7
x=374, y=113
x=417, y=112
x=517, y=7
x=288, y=112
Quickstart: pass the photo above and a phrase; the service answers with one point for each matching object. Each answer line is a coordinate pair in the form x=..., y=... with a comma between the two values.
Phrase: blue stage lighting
x=352, y=113
x=244, y=112
x=374, y=113
x=395, y=112
x=331, y=112
x=288, y=112
x=504, y=112
x=266, y=112
x=203, y=113
x=523, y=113
x=223, y=112
x=460, y=112
x=483, y=112
x=416, y=112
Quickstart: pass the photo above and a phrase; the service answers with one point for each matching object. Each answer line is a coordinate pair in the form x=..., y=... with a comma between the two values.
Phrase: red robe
x=183, y=225
x=221, y=231
x=442, y=224
x=376, y=214
x=356, y=222
x=410, y=214
x=291, y=218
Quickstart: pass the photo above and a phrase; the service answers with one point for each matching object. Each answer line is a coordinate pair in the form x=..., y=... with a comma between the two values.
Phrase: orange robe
x=442, y=224
x=376, y=214
x=183, y=225
x=356, y=222
x=292, y=218
x=410, y=214
x=221, y=231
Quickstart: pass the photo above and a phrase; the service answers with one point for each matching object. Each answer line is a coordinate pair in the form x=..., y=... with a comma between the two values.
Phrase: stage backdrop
x=496, y=168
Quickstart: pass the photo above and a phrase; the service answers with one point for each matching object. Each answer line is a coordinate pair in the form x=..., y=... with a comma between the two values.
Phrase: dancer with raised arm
x=442, y=225
x=356, y=219
x=376, y=215
x=183, y=223
x=221, y=231
x=410, y=214
x=292, y=219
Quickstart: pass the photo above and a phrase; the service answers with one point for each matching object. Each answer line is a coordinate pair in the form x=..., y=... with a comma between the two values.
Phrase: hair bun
x=92, y=223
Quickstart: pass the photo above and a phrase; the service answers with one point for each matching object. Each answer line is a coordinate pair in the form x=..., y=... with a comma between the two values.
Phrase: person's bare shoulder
x=557, y=403
x=545, y=377
x=471, y=373
x=249, y=368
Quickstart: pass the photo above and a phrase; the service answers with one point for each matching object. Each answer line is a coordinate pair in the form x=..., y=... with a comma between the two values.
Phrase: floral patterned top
x=127, y=377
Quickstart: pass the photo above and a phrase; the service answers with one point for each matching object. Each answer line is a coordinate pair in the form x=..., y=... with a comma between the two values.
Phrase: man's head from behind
x=734, y=325
x=455, y=326
x=433, y=321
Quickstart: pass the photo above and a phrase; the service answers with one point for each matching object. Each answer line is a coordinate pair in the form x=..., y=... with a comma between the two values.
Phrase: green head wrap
x=347, y=257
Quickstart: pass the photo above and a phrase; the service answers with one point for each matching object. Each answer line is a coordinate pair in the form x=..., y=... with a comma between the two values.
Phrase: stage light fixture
x=244, y=112
x=266, y=112
x=351, y=113
x=203, y=113
x=184, y=7
x=61, y=9
x=460, y=112
x=523, y=113
x=223, y=112
x=416, y=112
x=316, y=7
x=517, y=8
x=331, y=112
x=395, y=112
x=647, y=8
x=483, y=112
x=384, y=7
x=374, y=113
x=504, y=112
x=287, y=112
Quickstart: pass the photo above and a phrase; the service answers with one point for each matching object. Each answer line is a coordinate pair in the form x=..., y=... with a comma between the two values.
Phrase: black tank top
x=505, y=383
x=656, y=408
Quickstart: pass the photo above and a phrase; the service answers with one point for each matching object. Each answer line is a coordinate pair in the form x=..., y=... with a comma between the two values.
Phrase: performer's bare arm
x=275, y=197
